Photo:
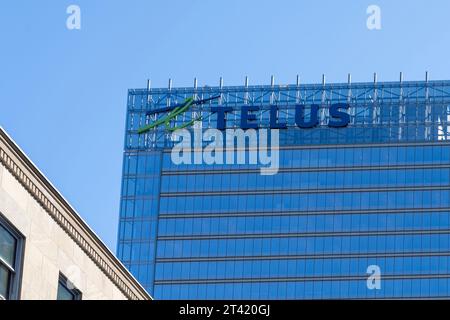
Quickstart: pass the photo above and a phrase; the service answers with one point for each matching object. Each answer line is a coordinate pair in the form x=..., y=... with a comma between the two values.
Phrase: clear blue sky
x=63, y=93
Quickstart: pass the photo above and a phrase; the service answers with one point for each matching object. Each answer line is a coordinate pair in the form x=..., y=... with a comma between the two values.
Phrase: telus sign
x=338, y=116
x=219, y=146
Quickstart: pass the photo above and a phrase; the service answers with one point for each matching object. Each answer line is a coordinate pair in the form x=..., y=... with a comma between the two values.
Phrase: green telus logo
x=173, y=112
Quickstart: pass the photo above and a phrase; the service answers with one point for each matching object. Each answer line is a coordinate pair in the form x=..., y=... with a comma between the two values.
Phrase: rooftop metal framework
x=379, y=111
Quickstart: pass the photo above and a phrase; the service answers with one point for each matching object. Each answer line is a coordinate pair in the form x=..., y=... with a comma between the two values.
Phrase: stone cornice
x=51, y=200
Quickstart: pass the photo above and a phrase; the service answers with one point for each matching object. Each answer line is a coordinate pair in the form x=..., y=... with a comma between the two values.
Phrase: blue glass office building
x=373, y=193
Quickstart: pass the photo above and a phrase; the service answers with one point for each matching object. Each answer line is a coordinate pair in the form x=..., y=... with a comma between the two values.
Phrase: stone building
x=47, y=251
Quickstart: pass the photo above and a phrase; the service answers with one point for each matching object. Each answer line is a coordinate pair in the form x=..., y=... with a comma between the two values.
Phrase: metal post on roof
x=246, y=92
x=220, y=88
x=195, y=88
x=401, y=113
x=149, y=84
x=349, y=82
x=376, y=109
x=168, y=96
x=272, y=84
x=323, y=110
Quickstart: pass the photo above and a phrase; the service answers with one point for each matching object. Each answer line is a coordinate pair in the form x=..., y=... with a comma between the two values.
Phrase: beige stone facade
x=56, y=240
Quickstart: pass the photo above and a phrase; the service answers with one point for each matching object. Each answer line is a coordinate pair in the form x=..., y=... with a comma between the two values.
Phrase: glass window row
x=306, y=180
x=303, y=223
x=300, y=268
x=139, y=208
x=140, y=187
x=388, y=132
x=143, y=273
x=338, y=157
x=143, y=163
x=137, y=230
x=136, y=252
x=305, y=202
x=303, y=245
x=404, y=288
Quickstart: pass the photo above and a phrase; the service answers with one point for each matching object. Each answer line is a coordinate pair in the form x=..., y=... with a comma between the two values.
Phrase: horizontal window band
x=355, y=145
x=298, y=213
x=143, y=197
x=309, y=169
x=148, y=241
x=139, y=219
x=314, y=146
x=301, y=191
x=305, y=235
x=381, y=255
x=304, y=279
x=356, y=123
x=402, y=296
